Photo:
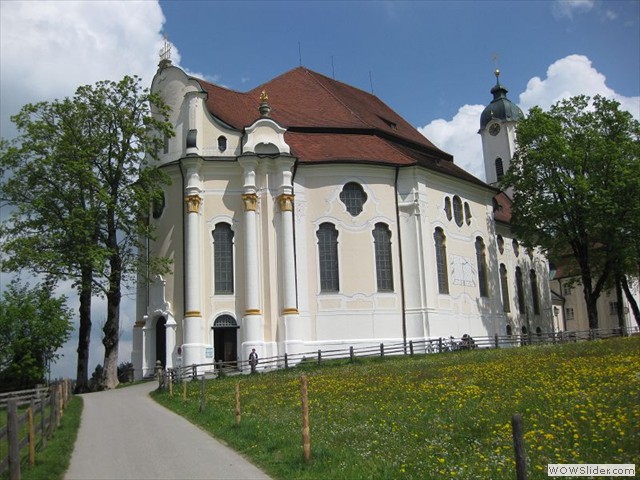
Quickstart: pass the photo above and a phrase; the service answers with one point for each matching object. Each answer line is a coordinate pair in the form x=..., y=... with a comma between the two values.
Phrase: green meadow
x=434, y=416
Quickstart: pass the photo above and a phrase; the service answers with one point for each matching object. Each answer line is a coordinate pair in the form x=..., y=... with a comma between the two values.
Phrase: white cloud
x=567, y=8
x=48, y=49
x=459, y=137
x=567, y=77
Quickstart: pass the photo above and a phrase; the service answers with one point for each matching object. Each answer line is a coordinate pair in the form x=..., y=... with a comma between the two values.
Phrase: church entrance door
x=225, y=339
x=161, y=341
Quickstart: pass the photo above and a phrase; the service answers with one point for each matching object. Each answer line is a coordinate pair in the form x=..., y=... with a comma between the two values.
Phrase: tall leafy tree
x=81, y=184
x=576, y=189
x=34, y=324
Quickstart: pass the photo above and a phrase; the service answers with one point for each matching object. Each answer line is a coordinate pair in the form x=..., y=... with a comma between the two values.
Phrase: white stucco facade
x=249, y=181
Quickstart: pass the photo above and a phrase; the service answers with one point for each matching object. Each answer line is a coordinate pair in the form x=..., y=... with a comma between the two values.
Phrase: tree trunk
x=631, y=300
x=112, y=327
x=84, y=337
x=619, y=309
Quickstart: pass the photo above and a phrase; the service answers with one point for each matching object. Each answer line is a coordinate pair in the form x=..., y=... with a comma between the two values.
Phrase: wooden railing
x=41, y=418
x=411, y=347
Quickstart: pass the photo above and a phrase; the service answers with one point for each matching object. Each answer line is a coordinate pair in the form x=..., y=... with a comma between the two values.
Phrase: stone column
x=290, y=304
x=253, y=314
x=193, y=325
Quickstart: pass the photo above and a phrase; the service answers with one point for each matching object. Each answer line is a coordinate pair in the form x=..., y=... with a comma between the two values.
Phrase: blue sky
x=430, y=61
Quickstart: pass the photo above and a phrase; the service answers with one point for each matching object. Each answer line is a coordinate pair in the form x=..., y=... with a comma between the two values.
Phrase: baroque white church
x=306, y=214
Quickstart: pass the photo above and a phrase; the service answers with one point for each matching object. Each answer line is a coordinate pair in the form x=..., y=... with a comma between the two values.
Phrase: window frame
x=328, y=260
x=383, y=257
x=440, y=244
x=223, y=259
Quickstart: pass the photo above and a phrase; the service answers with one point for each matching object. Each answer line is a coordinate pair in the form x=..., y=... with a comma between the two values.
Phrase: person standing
x=253, y=360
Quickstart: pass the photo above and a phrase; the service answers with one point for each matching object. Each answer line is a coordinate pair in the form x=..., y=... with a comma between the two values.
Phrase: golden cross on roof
x=264, y=97
x=495, y=62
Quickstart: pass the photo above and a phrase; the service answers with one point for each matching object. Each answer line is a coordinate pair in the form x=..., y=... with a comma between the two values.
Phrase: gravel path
x=124, y=434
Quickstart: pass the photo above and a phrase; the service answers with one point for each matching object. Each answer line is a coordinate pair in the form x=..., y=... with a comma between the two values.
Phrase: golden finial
x=264, y=108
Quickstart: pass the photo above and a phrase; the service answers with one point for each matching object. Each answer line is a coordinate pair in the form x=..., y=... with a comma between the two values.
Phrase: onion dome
x=500, y=108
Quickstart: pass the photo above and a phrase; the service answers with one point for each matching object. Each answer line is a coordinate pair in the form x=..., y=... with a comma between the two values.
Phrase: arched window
x=384, y=267
x=354, y=197
x=328, y=257
x=447, y=208
x=481, y=259
x=457, y=210
x=222, y=143
x=223, y=258
x=516, y=247
x=467, y=213
x=505, y=288
x=441, y=260
x=500, y=242
x=520, y=290
x=499, y=168
x=535, y=295
x=509, y=330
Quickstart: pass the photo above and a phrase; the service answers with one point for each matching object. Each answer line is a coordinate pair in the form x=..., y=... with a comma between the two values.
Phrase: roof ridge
x=313, y=74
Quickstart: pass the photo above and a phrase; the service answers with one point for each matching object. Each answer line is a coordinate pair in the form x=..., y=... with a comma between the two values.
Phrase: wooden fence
x=411, y=347
x=32, y=427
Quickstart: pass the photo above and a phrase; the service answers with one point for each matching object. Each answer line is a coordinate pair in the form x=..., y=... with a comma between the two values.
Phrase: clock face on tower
x=494, y=129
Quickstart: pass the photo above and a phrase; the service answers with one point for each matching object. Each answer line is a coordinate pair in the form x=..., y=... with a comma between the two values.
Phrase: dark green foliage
x=33, y=325
x=576, y=184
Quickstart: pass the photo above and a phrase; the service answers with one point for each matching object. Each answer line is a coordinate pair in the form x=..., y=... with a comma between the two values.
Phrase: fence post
x=440, y=345
x=411, y=347
x=170, y=378
x=286, y=361
x=495, y=341
x=319, y=357
x=32, y=433
x=13, y=438
x=184, y=390
x=306, y=435
x=60, y=404
x=518, y=446
x=351, y=354
x=382, y=350
x=237, y=395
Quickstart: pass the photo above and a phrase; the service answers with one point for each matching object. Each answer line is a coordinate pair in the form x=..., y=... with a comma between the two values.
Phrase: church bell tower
x=497, y=129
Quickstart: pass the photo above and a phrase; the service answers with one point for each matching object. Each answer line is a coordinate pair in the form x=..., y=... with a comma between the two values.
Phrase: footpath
x=125, y=435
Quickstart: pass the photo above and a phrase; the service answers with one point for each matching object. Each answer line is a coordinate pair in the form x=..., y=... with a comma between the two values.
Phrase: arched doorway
x=225, y=339
x=161, y=341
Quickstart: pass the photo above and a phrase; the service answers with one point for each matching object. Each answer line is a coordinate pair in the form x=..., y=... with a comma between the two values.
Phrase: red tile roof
x=330, y=121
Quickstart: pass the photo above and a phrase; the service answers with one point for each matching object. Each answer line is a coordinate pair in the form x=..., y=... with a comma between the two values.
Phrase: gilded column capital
x=286, y=202
x=250, y=202
x=193, y=203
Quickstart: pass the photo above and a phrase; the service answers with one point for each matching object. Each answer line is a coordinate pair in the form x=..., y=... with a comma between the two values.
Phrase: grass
x=435, y=416
x=52, y=462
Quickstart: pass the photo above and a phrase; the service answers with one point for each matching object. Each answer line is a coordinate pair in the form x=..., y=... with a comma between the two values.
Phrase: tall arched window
x=520, y=290
x=516, y=247
x=499, y=168
x=447, y=207
x=223, y=258
x=384, y=267
x=457, y=210
x=535, y=295
x=328, y=257
x=505, y=288
x=467, y=213
x=500, y=242
x=441, y=260
x=481, y=259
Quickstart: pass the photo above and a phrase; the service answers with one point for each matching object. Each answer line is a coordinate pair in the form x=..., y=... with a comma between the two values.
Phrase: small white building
x=306, y=214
